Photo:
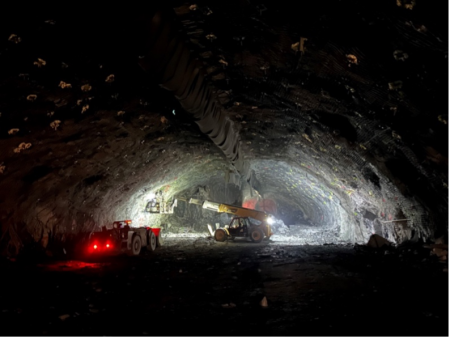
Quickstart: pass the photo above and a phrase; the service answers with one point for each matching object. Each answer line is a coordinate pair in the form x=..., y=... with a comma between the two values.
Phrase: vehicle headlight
x=270, y=220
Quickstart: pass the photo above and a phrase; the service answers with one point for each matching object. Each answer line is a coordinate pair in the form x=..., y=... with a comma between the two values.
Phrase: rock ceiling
x=332, y=115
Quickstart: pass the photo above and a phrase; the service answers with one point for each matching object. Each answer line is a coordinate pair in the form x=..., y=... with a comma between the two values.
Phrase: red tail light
x=107, y=245
x=95, y=247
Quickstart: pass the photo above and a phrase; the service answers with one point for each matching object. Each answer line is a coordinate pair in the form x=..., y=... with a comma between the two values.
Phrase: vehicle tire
x=256, y=234
x=220, y=235
x=136, y=245
x=159, y=240
x=152, y=241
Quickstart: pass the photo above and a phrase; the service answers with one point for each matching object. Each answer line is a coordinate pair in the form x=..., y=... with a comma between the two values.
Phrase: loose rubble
x=276, y=289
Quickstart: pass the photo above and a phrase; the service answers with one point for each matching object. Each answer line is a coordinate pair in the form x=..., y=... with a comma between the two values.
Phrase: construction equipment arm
x=224, y=208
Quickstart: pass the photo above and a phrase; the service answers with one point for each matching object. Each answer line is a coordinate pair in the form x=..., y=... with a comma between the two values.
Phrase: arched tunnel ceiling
x=338, y=109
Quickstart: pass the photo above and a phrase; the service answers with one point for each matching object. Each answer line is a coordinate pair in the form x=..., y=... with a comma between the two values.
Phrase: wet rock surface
x=194, y=286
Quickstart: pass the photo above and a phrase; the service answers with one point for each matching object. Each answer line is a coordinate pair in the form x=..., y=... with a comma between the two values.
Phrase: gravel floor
x=197, y=287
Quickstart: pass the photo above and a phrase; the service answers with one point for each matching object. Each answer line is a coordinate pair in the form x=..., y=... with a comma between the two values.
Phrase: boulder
x=377, y=241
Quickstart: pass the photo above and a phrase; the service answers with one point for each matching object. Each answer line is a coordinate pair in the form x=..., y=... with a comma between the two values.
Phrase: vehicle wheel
x=256, y=234
x=152, y=241
x=136, y=245
x=159, y=241
x=220, y=235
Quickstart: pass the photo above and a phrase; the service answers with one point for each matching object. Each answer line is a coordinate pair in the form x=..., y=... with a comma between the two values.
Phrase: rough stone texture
x=313, y=291
x=342, y=138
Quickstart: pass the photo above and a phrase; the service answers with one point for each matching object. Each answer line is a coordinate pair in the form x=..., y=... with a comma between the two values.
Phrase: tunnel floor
x=197, y=287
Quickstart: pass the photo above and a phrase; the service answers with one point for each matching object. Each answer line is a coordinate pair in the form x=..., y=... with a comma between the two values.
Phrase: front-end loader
x=246, y=223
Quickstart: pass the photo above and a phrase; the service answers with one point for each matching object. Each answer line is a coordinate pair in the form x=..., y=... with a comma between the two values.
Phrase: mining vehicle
x=123, y=237
x=158, y=204
x=246, y=223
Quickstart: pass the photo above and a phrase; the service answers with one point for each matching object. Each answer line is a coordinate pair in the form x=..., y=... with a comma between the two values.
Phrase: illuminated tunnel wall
x=310, y=207
x=331, y=148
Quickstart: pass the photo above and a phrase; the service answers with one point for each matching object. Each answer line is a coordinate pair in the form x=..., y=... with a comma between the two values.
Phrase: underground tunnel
x=330, y=117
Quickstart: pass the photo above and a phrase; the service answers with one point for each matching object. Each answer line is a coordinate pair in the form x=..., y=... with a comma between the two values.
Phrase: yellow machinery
x=241, y=225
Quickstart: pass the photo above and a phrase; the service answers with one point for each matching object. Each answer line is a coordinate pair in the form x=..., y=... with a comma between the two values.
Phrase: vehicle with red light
x=123, y=237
